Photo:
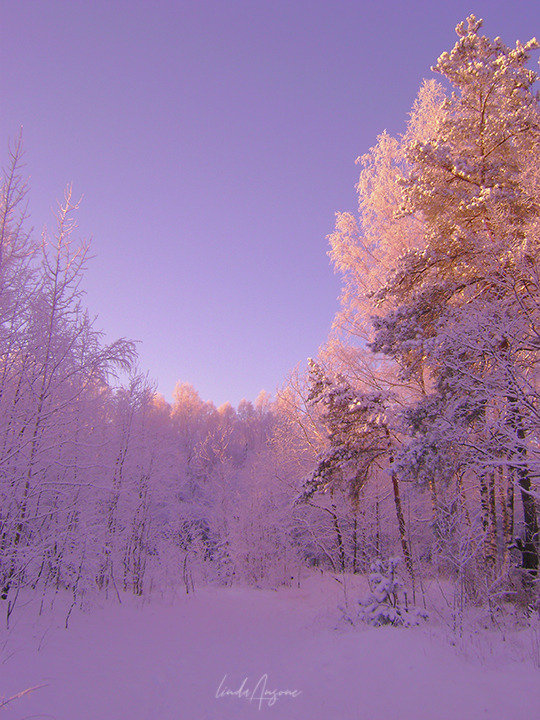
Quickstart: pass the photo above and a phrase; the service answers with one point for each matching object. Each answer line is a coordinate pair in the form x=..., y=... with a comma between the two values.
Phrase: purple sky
x=213, y=142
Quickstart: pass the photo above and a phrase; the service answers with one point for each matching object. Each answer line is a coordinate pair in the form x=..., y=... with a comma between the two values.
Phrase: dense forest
x=413, y=434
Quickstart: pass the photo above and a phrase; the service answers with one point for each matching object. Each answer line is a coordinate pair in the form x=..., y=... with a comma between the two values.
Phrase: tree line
x=415, y=430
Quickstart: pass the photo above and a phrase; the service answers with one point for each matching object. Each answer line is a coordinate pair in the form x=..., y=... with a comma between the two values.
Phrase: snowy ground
x=181, y=658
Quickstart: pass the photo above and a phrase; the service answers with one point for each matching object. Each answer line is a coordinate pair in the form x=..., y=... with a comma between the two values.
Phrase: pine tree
x=359, y=442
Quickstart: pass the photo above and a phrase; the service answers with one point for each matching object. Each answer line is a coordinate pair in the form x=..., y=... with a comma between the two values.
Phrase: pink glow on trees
x=441, y=276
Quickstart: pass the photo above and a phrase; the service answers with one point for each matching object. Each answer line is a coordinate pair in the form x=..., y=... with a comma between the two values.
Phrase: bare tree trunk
x=339, y=538
x=355, y=544
x=529, y=549
x=402, y=527
x=490, y=546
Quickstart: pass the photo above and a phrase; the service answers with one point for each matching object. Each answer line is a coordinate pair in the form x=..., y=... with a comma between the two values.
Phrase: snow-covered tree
x=474, y=184
x=360, y=444
x=441, y=279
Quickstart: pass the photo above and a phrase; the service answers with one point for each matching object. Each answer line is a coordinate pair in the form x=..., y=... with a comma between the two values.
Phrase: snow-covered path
x=167, y=662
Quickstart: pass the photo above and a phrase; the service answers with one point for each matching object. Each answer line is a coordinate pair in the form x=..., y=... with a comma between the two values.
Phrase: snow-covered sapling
x=387, y=604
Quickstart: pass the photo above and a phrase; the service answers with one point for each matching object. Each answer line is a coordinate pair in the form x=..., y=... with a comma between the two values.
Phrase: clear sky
x=213, y=143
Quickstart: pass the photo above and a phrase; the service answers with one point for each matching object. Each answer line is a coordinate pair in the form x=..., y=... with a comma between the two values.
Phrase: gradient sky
x=213, y=143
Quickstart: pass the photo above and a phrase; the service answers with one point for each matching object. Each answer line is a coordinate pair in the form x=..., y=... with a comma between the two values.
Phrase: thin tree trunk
x=355, y=544
x=529, y=549
x=339, y=537
x=401, y=526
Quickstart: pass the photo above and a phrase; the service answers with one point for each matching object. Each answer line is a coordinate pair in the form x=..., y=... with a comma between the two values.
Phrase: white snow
x=168, y=659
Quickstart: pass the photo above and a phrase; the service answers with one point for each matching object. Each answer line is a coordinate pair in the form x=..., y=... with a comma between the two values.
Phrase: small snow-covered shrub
x=386, y=604
x=522, y=593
